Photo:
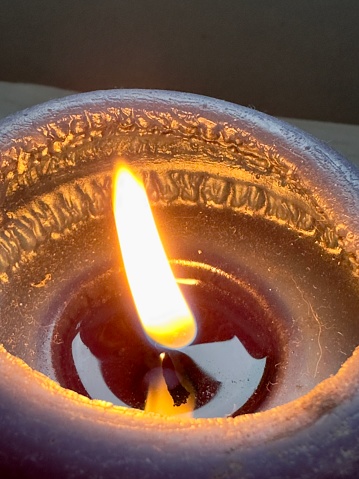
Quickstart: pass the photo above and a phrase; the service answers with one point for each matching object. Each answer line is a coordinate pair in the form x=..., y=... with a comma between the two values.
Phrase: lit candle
x=260, y=225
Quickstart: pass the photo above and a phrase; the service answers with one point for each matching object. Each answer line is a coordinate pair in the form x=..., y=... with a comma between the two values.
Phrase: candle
x=251, y=210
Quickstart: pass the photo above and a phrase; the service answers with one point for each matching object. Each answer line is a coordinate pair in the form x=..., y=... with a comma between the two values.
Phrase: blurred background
x=297, y=59
x=289, y=58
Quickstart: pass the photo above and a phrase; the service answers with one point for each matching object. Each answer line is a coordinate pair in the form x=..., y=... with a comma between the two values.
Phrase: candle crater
x=228, y=369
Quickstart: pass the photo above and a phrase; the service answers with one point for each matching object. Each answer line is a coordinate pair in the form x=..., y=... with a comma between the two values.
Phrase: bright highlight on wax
x=162, y=309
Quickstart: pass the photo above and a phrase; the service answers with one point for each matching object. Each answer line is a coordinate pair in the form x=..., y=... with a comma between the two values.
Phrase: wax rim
x=267, y=425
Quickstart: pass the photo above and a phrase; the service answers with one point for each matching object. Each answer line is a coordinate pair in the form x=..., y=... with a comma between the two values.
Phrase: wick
x=168, y=392
x=177, y=390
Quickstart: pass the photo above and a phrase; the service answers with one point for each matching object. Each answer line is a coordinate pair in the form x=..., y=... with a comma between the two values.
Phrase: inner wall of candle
x=315, y=291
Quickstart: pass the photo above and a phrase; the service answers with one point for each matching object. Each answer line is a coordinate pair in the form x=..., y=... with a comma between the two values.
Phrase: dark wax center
x=100, y=350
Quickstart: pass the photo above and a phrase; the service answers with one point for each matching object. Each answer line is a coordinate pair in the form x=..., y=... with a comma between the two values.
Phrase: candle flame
x=163, y=311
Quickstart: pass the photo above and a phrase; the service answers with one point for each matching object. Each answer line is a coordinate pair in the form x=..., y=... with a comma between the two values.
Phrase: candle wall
x=231, y=188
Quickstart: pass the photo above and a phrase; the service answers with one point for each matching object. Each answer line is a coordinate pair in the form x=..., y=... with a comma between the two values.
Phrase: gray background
x=285, y=57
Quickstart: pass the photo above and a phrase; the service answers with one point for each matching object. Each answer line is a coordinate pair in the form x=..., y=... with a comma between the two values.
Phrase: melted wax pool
x=104, y=353
x=232, y=374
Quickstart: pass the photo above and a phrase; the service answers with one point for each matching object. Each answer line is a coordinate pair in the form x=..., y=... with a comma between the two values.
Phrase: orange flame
x=162, y=309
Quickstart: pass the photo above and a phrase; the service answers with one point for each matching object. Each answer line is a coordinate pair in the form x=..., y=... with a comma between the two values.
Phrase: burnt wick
x=184, y=377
